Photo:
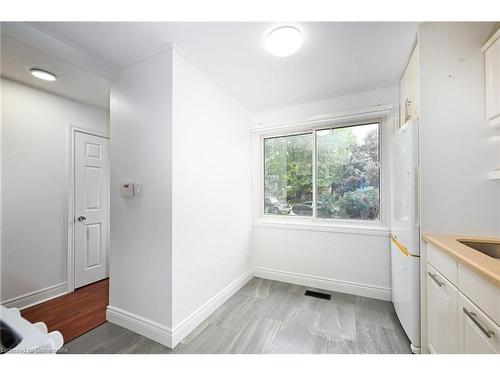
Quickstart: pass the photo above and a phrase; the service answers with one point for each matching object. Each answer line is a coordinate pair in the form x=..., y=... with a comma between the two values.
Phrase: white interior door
x=91, y=221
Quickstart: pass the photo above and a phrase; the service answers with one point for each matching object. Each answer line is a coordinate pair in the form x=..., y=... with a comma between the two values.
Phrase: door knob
x=82, y=218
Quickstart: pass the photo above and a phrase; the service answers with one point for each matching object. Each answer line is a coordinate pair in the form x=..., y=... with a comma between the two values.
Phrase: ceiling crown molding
x=360, y=114
x=38, y=37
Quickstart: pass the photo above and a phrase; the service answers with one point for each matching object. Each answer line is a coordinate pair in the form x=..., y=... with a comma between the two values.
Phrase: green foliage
x=346, y=165
x=347, y=174
x=360, y=204
x=288, y=167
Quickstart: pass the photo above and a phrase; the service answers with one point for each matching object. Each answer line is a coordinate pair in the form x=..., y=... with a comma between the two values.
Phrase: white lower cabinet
x=442, y=311
x=463, y=309
x=477, y=334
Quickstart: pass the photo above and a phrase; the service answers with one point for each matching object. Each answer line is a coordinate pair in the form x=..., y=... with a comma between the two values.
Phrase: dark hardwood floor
x=73, y=314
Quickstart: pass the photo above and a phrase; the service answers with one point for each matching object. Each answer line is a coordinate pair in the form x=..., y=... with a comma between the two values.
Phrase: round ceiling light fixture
x=284, y=41
x=42, y=74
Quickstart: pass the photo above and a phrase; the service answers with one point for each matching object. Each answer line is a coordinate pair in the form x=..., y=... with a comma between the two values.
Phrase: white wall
x=141, y=151
x=458, y=147
x=365, y=99
x=188, y=238
x=350, y=262
x=35, y=127
x=211, y=190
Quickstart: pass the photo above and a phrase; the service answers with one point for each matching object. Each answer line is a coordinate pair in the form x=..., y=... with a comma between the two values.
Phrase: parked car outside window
x=274, y=206
x=306, y=208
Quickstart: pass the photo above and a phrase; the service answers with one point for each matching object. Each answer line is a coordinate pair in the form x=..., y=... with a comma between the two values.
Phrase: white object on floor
x=15, y=311
x=35, y=338
x=57, y=339
x=41, y=326
x=405, y=231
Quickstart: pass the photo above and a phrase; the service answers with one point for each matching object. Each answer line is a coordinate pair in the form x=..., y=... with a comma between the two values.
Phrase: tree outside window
x=347, y=173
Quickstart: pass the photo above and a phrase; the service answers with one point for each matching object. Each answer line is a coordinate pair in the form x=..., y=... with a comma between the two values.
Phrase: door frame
x=70, y=190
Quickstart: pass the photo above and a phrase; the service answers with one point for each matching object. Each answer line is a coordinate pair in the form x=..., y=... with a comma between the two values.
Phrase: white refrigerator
x=405, y=231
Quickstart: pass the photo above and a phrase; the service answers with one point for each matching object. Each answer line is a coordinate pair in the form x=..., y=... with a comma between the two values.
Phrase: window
x=288, y=170
x=347, y=173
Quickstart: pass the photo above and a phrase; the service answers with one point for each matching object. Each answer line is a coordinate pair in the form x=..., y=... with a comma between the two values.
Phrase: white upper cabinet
x=408, y=90
x=492, y=75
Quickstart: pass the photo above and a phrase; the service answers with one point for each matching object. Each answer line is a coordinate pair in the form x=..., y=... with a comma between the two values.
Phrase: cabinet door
x=492, y=66
x=441, y=313
x=477, y=334
x=408, y=90
x=403, y=97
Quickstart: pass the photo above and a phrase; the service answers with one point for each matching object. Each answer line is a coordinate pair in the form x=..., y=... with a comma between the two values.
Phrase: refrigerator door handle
x=417, y=195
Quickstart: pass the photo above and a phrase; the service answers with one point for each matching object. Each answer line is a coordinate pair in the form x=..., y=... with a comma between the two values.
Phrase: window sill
x=371, y=229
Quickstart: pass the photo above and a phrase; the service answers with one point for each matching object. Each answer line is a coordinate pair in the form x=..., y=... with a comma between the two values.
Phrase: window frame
x=371, y=227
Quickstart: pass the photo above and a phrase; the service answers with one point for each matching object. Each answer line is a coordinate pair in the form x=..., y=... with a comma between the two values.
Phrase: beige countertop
x=483, y=265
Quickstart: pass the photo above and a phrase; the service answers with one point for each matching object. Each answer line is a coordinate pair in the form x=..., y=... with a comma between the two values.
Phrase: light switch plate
x=138, y=190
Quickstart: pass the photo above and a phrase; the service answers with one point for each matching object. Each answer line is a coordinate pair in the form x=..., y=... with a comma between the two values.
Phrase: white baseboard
x=168, y=337
x=325, y=283
x=196, y=318
x=140, y=325
x=163, y=334
x=36, y=297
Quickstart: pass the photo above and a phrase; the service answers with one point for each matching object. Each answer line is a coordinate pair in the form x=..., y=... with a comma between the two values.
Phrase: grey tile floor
x=271, y=317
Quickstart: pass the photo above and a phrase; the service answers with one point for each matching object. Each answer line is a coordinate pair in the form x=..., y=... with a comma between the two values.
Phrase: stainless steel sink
x=490, y=249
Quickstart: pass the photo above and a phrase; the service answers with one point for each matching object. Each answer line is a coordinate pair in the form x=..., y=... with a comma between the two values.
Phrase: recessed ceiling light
x=42, y=74
x=284, y=41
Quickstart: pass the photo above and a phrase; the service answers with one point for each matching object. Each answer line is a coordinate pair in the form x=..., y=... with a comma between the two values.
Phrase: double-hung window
x=328, y=173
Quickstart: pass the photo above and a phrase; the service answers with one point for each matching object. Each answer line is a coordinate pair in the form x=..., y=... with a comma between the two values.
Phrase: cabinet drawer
x=477, y=334
x=446, y=265
x=483, y=293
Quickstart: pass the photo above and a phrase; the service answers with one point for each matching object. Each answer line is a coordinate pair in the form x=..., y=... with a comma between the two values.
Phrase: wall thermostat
x=127, y=190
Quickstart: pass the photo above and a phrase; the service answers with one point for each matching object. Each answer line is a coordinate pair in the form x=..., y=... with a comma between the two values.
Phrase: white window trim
x=381, y=114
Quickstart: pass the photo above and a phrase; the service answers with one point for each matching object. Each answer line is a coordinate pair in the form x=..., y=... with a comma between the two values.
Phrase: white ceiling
x=17, y=58
x=336, y=58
